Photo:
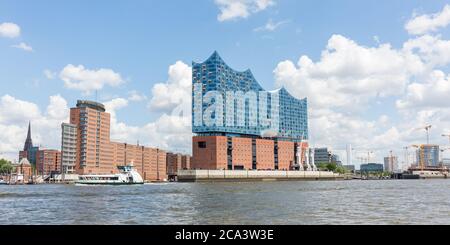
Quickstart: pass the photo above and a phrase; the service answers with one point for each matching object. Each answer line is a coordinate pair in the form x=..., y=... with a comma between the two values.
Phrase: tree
x=332, y=167
x=5, y=166
x=341, y=170
x=323, y=166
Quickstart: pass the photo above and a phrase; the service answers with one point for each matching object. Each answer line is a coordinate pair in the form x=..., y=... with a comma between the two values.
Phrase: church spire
x=28, y=141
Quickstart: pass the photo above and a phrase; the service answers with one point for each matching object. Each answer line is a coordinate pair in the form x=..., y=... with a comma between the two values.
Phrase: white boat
x=127, y=176
x=3, y=182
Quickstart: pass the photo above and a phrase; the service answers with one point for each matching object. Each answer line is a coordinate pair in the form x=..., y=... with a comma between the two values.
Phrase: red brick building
x=48, y=161
x=243, y=153
x=176, y=162
x=97, y=154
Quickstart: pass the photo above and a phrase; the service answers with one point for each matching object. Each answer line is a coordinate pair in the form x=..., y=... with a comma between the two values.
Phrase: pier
x=252, y=175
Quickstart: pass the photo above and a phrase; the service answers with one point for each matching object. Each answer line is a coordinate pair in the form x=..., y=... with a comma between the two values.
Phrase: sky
x=374, y=72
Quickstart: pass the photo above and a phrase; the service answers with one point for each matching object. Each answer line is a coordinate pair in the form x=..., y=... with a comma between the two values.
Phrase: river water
x=327, y=202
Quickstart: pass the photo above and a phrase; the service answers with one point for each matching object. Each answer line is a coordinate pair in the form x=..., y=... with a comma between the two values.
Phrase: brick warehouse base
x=242, y=153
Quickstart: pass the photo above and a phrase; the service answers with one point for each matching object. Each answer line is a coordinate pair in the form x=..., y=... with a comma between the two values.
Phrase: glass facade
x=32, y=154
x=428, y=155
x=233, y=103
x=372, y=167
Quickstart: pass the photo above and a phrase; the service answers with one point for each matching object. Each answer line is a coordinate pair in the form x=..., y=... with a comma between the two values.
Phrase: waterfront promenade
x=250, y=175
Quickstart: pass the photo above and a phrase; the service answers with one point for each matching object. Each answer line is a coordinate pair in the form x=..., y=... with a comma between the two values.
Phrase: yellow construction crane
x=422, y=155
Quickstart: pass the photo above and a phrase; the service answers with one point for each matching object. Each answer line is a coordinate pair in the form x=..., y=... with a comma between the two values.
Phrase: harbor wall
x=252, y=175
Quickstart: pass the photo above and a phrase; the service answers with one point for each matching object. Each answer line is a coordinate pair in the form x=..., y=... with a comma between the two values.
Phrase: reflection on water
x=334, y=202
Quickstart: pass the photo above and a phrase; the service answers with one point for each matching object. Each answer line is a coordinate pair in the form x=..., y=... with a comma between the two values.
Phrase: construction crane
x=446, y=135
x=427, y=128
x=361, y=159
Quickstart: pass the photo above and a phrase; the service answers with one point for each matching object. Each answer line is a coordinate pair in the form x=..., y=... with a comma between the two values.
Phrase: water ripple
x=336, y=202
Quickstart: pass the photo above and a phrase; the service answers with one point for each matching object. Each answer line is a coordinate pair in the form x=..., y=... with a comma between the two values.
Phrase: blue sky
x=141, y=39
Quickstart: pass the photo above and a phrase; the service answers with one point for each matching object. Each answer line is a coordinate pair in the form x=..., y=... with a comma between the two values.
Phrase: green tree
x=5, y=166
x=323, y=166
x=332, y=167
x=341, y=170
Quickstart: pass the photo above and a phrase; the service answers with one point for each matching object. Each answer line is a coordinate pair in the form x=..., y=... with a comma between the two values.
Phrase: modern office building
x=48, y=162
x=390, y=163
x=372, y=167
x=239, y=125
x=428, y=155
x=97, y=154
x=322, y=155
x=68, y=148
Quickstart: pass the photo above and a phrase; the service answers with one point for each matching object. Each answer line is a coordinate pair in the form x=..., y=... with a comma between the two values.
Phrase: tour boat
x=3, y=182
x=127, y=176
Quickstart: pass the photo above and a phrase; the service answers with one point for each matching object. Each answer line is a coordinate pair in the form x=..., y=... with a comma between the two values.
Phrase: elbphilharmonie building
x=239, y=125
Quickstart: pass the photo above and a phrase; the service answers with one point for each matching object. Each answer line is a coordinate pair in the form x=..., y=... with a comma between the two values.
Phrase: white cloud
x=23, y=46
x=80, y=78
x=58, y=109
x=432, y=49
x=175, y=92
x=172, y=129
x=14, y=111
x=50, y=74
x=9, y=30
x=348, y=74
x=429, y=22
x=170, y=132
x=46, y=127
x=433, y=93
x=271, y=26
x=236, y=9
x=114, y=105
x=136, y=96
x=383, y=119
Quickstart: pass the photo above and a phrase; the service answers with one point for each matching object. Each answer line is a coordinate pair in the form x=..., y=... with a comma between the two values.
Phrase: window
x=202, y=144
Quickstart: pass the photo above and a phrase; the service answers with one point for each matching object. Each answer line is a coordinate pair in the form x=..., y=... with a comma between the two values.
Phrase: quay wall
x=252, y=175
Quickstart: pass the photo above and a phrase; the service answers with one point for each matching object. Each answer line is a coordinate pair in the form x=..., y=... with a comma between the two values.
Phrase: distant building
x=391, y=163
x=446, y=162
x=350, y=168
x=335, y=159
x=29, y=151
x=428, y=155
x=186, y=162
x=68, y=148
x=321, y=155
x=372, y=167
x=349, y=155
x=176, y=162
x=48, y=162
x=22, y=172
